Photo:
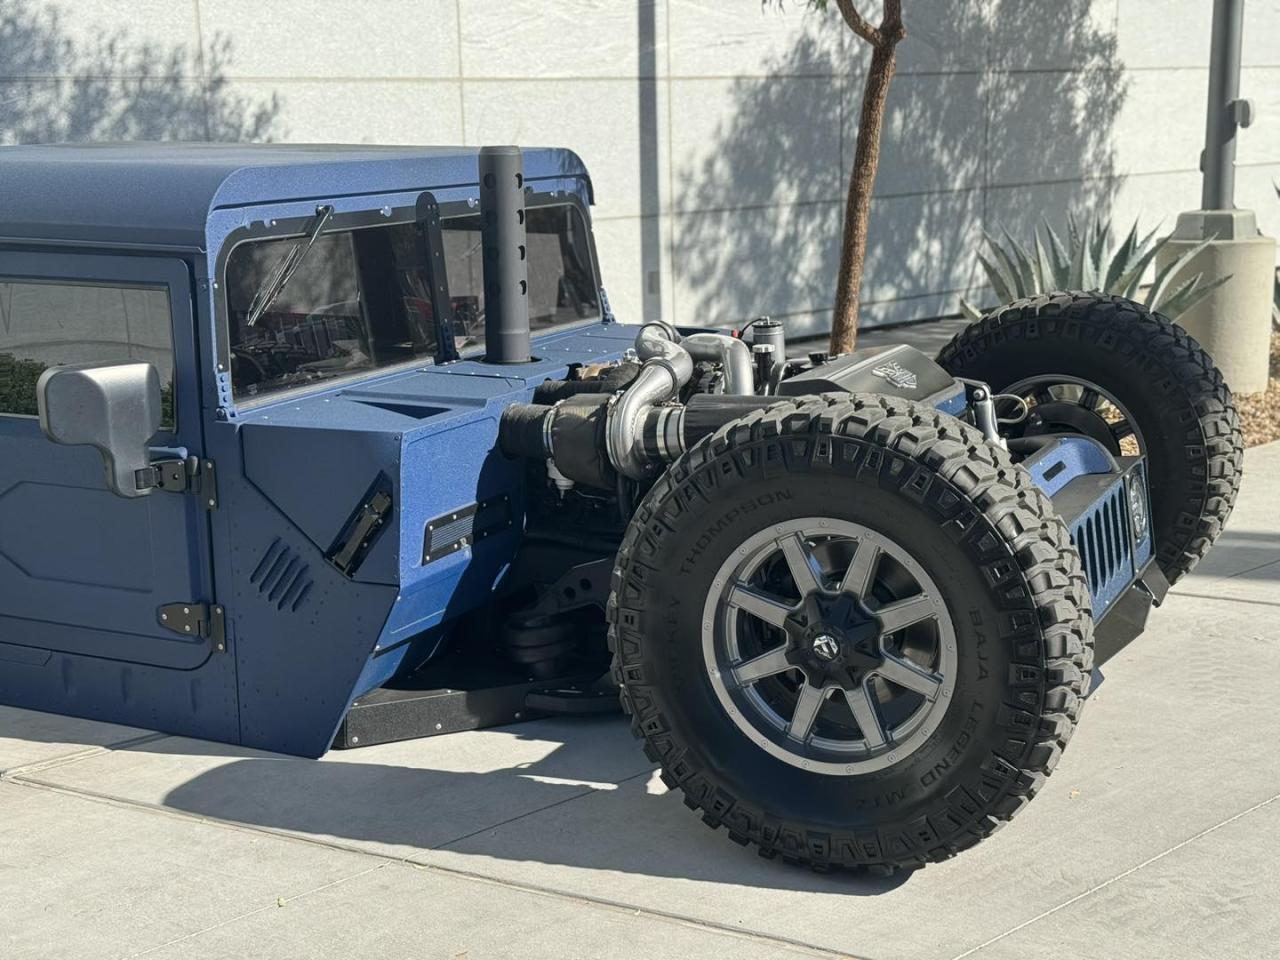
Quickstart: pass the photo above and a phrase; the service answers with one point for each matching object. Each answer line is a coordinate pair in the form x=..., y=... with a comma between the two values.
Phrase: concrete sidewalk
x=1158, y=836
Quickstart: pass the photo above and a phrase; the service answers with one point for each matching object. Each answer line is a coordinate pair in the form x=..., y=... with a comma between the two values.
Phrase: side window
x=44, y=323
x=562, y=282
x=355, y=303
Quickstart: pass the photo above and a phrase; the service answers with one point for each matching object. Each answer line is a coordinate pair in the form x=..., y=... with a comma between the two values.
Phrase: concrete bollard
x=1233, y=323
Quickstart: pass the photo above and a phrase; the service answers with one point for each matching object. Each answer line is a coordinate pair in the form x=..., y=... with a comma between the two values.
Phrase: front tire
x=1142, y=364
x=1004, y=650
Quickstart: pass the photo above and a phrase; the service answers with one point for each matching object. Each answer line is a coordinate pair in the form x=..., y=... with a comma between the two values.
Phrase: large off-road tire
x=1143, y=365
x=1005, y=641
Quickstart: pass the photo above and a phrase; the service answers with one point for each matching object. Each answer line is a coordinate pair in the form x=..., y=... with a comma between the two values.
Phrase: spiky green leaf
x=1009, y=272
x=1046, y=276
x=1166, y=275
x=1120, y=259
x=1129, y=282
x=1001, y=282
x=1022, y=264
x=1099, y=236
x=1080, y=278
x=1186, y=296
x=1136, y=264
x=1171, y=297
x=969, y=310
x=1061, y=259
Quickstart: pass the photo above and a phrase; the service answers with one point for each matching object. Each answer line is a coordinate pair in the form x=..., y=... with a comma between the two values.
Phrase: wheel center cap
x=826, y=647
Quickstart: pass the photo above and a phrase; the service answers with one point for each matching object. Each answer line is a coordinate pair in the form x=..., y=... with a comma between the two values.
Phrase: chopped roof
x=162, y=193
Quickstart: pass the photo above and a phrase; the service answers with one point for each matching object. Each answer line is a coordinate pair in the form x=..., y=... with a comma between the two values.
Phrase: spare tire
x=851, y=631
x=1112, y=368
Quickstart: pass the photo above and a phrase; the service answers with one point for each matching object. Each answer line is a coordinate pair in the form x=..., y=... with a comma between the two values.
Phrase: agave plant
x=1088, y=262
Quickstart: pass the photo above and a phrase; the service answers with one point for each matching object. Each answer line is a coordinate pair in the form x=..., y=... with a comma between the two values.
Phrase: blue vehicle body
x=82, y=573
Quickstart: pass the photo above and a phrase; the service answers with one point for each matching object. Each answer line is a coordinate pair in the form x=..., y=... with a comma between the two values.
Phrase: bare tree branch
x=884, y=41
x=860, y=25
x=891, y=28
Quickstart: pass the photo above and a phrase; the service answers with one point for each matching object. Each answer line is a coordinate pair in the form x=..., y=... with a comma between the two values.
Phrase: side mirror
x=115, y=408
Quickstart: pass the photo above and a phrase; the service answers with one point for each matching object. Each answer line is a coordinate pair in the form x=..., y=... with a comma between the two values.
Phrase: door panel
x=82, y=570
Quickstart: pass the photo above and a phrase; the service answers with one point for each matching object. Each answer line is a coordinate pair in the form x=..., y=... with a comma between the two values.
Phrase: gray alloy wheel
x=986, y=607
x=829, y=646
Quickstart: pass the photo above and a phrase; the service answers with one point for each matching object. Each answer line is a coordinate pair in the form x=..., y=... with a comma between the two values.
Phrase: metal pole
x=503, y=245
x=1225, y=109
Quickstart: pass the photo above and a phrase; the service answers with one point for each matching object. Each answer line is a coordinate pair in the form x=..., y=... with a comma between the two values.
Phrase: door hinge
x=192, y=475
x=206, y=620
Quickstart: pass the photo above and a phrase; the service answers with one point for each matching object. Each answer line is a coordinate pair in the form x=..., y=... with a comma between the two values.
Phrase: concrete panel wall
x=719, y=134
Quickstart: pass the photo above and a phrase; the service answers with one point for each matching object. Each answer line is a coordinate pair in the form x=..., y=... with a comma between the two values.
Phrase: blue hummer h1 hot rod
x=319, y=446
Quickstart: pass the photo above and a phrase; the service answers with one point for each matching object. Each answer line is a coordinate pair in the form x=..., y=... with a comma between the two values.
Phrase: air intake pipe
x=667, y=367
x=635, y=426
x=571, y=433
x=669, y=431
x=503, y=245
x=732, y=354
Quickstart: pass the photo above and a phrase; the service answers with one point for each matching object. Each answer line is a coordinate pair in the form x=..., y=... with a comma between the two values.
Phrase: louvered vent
x=282, y=577
x=1102, y=538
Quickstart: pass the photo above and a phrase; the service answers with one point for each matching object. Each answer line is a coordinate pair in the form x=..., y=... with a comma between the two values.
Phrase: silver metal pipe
x=1224, y=113
x=667, y=367
x=733, y=355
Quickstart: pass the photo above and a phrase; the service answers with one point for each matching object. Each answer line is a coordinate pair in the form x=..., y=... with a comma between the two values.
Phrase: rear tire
x=966, y=520
x=1149, y=366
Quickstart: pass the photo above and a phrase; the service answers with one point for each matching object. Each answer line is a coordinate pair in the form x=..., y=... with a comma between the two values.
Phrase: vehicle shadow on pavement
x=1239, y=554
x=562, y=809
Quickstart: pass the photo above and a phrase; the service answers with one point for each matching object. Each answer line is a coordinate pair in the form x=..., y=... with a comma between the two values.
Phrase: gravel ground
x=1260, y=412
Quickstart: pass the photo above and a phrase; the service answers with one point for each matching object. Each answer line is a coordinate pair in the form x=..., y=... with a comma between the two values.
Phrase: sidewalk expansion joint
x=39, y=766
x=1119, y=876
x=275, y=905
x=1207, y=596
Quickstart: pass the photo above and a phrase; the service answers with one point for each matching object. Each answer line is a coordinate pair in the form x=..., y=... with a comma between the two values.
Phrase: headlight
x=1138, y=514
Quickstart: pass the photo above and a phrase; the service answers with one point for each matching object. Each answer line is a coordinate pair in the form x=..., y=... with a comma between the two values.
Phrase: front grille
x=1101, y=536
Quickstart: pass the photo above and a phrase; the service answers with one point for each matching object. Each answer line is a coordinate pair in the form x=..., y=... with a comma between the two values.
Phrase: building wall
x=719, y=133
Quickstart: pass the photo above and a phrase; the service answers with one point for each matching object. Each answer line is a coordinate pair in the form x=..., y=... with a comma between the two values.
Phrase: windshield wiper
x=283, y=271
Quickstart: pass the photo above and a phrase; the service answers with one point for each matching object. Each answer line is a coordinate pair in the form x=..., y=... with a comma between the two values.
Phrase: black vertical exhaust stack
x=506, y=270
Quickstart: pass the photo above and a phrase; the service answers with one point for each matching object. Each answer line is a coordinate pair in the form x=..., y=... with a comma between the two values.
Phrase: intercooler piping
x=667, y=367
x=733, y=355
x=535, y=430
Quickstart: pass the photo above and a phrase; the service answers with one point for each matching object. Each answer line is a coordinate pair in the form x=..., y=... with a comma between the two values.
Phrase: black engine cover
x=901, y=370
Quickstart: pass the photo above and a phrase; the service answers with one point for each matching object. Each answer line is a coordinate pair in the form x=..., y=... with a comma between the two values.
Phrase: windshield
x=562, y=281
x=355, y=303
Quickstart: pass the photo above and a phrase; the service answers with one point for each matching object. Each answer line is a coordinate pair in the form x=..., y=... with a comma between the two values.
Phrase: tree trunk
x=857, y=211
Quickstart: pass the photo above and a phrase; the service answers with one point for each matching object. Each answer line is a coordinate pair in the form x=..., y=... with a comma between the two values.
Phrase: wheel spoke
x=910, y=675
x=1121, y=429
x=904, y=613
x=769, y=609
x=862, y=570
x=807, y=705
x=865, y=715
x=765, y=665
x=1043, y=395
x=799, y=563
x=1089, y=398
